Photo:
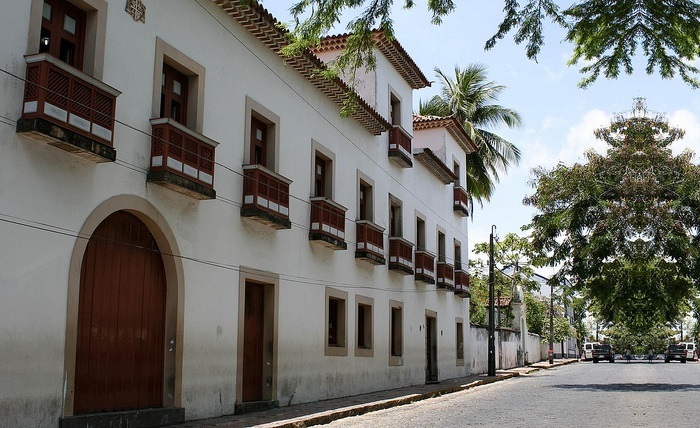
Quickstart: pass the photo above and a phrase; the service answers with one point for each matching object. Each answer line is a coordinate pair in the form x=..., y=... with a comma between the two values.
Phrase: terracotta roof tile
x=392, y=49
x=265, y=27
x=450, y=123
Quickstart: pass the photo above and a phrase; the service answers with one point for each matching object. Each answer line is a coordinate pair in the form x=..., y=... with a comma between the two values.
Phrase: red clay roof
x=451, y=124
x=392, y=50
x=265, y=27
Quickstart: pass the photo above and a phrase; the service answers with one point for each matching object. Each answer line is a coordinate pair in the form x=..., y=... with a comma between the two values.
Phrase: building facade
x=191, y=227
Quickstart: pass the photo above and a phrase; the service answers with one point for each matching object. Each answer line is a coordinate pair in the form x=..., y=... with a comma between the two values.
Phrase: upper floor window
x=441, y=247
x=394, y=110
x=395, y=213
x=364, y=210
x=420, y=234
x=458, y=256
x=322, y=179
x=258, y=142
x=455, y=169
x=173, y=95
x=63, y=32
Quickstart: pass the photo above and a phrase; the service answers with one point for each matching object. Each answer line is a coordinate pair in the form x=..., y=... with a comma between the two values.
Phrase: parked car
x=603, y=352
x=690, y=350
x=675, y=352
x=588, y=350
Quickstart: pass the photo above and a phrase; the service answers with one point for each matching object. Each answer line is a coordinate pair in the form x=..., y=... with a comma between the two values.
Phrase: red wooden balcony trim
x=63, y=95
x=183, y=152
x=462, y=283
x=425, y=266
x=445, y=275
x=328, y=218
x=400, y=146
x=370, y=239
x=461, y=202
x=400, y=254
x=266, y=191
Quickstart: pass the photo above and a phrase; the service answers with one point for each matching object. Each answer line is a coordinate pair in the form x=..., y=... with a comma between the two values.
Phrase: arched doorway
x=120, y=343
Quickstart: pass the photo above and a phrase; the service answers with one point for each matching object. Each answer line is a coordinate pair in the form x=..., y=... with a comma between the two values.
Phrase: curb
x=360, y=409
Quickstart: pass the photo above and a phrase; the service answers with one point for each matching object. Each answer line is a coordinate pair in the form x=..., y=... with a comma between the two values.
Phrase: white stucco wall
x=41, y=185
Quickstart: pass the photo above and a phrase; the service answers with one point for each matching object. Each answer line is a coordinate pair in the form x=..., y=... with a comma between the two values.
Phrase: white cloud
x=580, y=137
x=687, y=121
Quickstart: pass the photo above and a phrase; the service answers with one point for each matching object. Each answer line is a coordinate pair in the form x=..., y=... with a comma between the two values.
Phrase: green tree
x=536, y=313
x=606, y=33
x=625, y=226
x=470, y=97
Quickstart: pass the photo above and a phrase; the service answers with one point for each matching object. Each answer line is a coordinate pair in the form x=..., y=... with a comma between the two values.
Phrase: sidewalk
x=322, y=412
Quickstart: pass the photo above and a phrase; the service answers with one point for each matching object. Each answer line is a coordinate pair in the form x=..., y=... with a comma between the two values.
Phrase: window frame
x=92, y=62
x=457, y=254
x=341, y=348
x=195, y=73
x=441, y=245
x=321, y=154
x=368, y=323
x=395, y=217
x=56, y=27
x=256, y=111
x=459, y=341
x=364, y=181
x=396, y=355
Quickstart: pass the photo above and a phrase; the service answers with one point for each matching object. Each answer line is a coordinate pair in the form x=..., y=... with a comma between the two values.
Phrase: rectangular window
x=455, y=169
x=396, y=332
x=322, y=180
x=364, y=327
x=173, y=95
x=395, y=110
x=394, y=218
x=364, y=195
x=63, y=32
x=458, y=256
x=420, y=234
x=258, y=142
x=441, y=247
x=336, y=323
x=459, y=344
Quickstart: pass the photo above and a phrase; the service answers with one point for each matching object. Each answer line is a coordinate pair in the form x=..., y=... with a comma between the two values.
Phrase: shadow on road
x=631, y=387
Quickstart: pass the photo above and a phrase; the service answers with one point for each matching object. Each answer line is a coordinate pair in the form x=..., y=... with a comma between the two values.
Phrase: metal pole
x=492, y=321
x=551, y=323
x=498, y=299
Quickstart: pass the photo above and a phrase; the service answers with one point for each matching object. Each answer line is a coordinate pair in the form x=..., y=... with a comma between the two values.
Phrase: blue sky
x=558, y=117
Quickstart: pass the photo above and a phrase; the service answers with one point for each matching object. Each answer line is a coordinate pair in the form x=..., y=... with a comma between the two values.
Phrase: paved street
x=577, y=395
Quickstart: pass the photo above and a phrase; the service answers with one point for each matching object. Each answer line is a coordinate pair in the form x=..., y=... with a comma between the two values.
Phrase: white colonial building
x=191, y=229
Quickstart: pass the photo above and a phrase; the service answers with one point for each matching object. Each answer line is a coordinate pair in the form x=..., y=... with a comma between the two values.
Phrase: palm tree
x=469, y=97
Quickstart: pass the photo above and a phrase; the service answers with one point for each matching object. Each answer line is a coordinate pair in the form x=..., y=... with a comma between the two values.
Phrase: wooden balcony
x=68, y=109
x=328, y=223
x=461, y=202
x=462, y=284
x=370, y=242
x=400, y=255
x=266, y=197
x=445, y=276
x=425, y=267
x=181, y=159
x=400, y=147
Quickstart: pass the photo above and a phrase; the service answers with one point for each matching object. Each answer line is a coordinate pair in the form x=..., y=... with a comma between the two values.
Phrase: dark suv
x=675, y=352
x=603, y=352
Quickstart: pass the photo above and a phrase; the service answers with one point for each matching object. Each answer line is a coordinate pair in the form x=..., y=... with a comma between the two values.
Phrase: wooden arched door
x=121, y=319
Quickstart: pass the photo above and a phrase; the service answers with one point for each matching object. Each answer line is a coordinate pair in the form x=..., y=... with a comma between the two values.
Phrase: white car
x=689, y=350
x=588, y=350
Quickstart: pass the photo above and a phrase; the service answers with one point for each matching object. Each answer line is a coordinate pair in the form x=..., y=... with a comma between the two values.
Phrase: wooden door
x=121, y=319
x=253, y=342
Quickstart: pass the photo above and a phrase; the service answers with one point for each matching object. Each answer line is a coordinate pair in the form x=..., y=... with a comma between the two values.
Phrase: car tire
x=595, y=361
x=667, y=361
x=683, y=360
x=612, y=360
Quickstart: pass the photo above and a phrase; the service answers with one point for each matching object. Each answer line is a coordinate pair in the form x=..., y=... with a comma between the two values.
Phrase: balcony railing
x=181, y=159
x=461, y=202
x=400, y=255
x=266, y=196
x=425, y=267
x=370, y=242
x=462, y=283
x=400, y=147
x=328, y=223
x=445, y=276
x=68, y=109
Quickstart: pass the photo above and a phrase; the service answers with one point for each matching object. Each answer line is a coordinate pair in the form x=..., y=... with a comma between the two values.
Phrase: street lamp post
x=492, y=321
x=551, y=323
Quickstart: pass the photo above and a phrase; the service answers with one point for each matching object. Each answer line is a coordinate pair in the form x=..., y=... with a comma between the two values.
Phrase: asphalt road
x=577, y=395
